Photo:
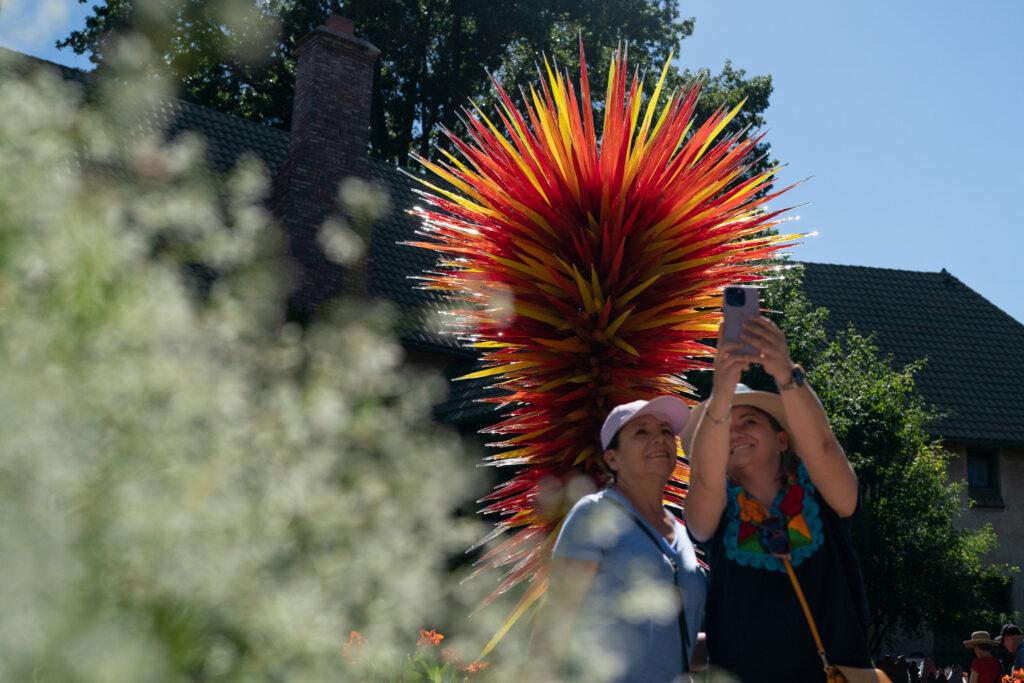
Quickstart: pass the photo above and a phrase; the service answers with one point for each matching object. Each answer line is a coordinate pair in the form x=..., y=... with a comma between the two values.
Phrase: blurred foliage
x=237, y=56
x=190, y=489
x=920, y=571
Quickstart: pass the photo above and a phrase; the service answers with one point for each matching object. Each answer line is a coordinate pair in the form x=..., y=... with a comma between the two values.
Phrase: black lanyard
x=684, y=631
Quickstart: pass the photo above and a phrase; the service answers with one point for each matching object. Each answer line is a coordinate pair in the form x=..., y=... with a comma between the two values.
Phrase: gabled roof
x=228, y=138
x=25, y=63
x=974, y=350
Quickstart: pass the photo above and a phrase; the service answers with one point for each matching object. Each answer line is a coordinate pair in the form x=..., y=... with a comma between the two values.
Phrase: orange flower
x=355, y=643
x=451, y=655
x=429, y=638
x=476, y=667
x=751, y=510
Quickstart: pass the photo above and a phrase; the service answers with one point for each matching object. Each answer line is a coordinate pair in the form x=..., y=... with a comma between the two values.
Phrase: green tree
x=237, y=55
x=920, y=572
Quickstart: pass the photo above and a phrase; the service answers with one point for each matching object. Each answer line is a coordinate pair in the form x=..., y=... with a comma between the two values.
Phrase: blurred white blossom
x=341, y=244
x=191, y=490
x=366, y=201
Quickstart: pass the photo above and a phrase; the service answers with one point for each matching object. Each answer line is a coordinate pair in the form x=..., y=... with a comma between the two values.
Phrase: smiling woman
x=770, y=493
x=644, y=450
x=626, y=588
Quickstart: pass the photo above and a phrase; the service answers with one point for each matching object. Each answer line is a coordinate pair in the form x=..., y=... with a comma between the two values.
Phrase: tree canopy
x=236, y=56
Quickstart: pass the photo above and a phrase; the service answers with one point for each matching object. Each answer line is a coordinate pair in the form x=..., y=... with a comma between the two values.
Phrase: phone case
x=735, y=315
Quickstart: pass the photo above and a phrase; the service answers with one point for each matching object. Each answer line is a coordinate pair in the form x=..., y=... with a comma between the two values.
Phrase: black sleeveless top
x=755, y=627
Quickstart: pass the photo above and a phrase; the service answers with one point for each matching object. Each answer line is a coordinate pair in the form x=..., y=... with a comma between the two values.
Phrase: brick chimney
x=329, y=140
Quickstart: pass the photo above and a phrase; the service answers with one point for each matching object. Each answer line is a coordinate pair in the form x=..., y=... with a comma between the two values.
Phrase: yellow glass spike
x=585, y=293
x=500, y=369
x=653, y=102
x=537, y=314
x=628, y=296
x=628, y=348
x=718, y=129
x=614, y=327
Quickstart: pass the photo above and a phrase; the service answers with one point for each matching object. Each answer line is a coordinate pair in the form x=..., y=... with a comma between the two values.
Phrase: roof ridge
x=93, y=76
x=851, y=265
x=40, y=59
x=947, y=276
x=961, y=283
x=81, y=74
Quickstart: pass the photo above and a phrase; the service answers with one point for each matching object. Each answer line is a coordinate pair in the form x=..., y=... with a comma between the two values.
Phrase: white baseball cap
x=669, y=408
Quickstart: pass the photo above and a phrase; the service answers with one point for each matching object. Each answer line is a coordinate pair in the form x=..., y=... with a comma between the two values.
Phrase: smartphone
x=740, y=304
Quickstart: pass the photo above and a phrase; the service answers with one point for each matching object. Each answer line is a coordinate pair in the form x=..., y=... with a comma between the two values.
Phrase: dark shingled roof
x=462, y=407
x=974, y=350
x=23, y=63
x=228, y=138
x=392, y=264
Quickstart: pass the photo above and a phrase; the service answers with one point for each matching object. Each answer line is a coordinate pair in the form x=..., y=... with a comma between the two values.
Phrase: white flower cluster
x=189, y=488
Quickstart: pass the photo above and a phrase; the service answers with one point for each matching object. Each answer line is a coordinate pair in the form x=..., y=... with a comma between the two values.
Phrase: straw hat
x=765, y=401
x=980, y=638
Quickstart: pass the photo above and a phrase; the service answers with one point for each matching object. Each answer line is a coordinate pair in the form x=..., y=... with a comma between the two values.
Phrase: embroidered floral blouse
x=795, y=506
x=754, y=624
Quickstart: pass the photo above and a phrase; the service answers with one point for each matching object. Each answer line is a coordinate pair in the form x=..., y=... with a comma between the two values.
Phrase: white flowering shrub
x=191, y=490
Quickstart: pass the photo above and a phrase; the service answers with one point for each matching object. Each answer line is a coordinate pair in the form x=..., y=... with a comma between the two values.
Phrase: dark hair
x=612, y=475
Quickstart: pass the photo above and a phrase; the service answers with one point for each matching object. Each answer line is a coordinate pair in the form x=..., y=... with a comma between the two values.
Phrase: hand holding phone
x=739, y=304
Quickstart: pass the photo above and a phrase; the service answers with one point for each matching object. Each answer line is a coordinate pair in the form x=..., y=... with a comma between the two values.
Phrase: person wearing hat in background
x=622, y=541
x=766, y=468
x=984, y=668
x=1009, y=652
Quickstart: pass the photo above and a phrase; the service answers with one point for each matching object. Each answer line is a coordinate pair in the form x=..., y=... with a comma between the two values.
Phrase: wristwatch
x=798, y=379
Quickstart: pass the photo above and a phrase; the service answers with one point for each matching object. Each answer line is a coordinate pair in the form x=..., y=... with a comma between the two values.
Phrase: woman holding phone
x=768, y=480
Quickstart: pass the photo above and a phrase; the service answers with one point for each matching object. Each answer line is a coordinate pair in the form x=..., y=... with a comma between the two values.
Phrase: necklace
x=796, y=518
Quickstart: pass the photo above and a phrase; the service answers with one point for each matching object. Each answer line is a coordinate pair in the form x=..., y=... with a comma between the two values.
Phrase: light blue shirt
x=630, y=610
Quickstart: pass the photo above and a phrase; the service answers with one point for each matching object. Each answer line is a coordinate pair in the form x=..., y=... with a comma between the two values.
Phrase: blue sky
x=904, y=113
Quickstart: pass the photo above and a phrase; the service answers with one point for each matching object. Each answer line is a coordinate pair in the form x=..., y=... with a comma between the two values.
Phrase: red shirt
x=988, y=669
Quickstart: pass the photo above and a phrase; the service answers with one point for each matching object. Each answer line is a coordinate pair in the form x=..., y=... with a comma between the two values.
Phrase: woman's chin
x=737, y=464
x=751, y=465
x=659, y=467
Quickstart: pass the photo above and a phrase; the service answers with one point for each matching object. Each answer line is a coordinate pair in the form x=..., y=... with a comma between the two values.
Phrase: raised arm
x=817, y=446
x=709, y=452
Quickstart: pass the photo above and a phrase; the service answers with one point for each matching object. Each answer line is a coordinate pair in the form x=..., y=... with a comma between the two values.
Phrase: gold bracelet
x=718, y=420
